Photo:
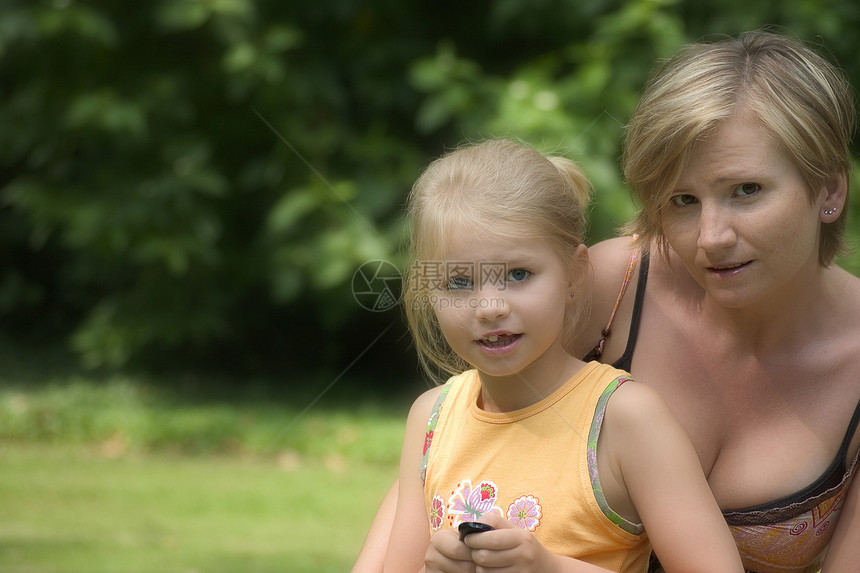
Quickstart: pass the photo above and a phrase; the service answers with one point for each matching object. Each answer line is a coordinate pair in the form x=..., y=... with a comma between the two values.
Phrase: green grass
x=73, y=510
x=114, y=476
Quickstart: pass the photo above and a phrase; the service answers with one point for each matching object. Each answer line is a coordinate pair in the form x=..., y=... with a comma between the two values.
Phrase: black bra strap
x=849, y=434
x=625, y=361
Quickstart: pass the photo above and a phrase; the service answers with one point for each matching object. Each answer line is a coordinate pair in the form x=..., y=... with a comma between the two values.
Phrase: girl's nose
x=490, y=304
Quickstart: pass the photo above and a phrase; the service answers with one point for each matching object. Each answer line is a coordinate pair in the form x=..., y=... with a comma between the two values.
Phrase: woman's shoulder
x=608, y=262
x=842, y=312
x=847, y=282
x=611, y=254
x=840, y=297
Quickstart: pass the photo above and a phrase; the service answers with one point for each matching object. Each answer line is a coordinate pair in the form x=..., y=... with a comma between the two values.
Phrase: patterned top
x=789, y=535
x=535, y=466
x=792, y=534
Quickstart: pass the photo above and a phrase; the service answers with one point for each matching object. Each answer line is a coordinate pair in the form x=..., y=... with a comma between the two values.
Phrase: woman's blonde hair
x=506, y=189
x=796, y=94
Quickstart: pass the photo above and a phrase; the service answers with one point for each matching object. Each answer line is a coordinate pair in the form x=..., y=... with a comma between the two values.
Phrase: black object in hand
x=468, y=527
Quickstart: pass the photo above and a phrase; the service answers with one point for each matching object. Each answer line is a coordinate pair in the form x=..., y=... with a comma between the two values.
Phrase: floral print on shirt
x=437, y=512
x=525, y=512
x=470, y=502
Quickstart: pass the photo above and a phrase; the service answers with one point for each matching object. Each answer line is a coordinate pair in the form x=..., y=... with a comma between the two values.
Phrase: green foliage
x=203, y=178
x=128, y=415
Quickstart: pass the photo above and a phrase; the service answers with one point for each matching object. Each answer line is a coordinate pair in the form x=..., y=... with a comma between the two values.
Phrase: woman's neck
x=774, y=321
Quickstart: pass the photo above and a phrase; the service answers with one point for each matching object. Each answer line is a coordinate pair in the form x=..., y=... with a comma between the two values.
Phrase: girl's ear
x=833, y=194
x=578, y=265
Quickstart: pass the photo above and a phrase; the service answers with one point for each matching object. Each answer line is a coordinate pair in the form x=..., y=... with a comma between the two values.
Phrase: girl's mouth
x=498, y=340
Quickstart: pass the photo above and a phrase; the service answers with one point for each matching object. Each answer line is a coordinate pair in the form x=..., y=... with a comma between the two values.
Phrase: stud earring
x=829, y=211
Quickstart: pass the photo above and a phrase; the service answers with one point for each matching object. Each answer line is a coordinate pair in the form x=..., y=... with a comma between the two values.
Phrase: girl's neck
x=529, y=386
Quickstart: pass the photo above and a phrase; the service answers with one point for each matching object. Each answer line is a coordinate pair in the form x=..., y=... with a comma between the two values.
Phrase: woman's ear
x=834, y=192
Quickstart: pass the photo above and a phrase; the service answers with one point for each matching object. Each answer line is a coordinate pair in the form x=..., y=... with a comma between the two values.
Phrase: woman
x=738, y=152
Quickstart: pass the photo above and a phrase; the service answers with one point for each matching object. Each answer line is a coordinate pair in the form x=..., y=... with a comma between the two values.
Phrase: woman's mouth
x=728, y=269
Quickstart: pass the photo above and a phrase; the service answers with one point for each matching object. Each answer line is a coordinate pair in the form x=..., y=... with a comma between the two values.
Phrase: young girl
x=569, y=461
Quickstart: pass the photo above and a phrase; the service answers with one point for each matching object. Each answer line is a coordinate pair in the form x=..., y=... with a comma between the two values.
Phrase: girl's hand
x=447, y=554
x=508, y=548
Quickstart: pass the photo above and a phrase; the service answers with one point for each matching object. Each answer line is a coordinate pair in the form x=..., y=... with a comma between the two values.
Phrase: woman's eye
x=518, y=275
x=683, y=200
x=745, y=189
x=458, y=283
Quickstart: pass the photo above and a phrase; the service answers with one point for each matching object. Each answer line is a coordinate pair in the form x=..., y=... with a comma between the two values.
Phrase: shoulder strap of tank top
x=431, y=427
x=849, y=434
x=626, y=360
x=597, y=352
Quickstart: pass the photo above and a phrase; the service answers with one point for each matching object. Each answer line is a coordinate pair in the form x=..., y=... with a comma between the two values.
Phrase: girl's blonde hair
x=501, y=187
x=796, y=94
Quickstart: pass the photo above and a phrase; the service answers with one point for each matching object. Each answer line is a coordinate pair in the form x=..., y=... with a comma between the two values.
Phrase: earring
x=829, y=211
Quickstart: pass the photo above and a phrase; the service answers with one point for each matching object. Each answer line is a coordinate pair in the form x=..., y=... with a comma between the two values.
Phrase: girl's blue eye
x=683, y=200
x=459, y=283
x=518, y=275
x=745, y=189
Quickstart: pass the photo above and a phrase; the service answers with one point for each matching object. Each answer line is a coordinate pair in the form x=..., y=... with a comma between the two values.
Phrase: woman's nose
x=716, y=228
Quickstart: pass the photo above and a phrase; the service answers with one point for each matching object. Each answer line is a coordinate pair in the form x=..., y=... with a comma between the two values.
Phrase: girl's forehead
x=494, y=252
x=501, y=239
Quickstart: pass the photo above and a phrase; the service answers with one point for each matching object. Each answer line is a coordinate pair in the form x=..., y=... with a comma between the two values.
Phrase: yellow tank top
x=535, y=466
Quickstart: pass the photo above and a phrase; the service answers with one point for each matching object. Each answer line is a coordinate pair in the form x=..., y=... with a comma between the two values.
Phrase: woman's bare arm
x=372, y=555
x=410, y=528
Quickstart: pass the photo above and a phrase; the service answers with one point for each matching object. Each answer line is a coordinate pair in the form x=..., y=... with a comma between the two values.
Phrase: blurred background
x=200, y=219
